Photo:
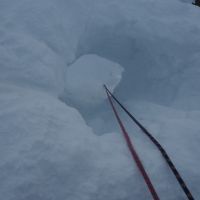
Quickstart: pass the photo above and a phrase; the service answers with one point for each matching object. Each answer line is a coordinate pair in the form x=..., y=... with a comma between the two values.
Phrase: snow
x=48, y=152
x=85, y=79
x=58, y=136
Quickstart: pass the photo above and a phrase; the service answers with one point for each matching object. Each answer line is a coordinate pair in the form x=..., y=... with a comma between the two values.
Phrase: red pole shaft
x=133, y=152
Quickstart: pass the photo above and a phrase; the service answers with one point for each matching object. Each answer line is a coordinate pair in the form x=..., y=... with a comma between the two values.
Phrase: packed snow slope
x=58, y=138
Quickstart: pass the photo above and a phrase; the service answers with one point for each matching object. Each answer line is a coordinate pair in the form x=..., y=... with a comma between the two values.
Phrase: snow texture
x=58, y=137
x=85, y=79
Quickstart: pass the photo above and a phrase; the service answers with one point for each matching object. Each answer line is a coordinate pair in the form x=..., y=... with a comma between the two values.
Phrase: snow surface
x=85, y=79
x=58, y=136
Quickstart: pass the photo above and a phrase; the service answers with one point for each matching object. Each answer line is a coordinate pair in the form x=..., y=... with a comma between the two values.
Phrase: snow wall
x=149, y=50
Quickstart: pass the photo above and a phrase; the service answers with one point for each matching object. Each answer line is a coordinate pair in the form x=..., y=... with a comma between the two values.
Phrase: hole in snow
x=84, y=87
